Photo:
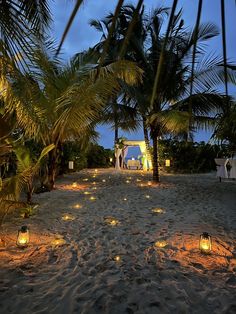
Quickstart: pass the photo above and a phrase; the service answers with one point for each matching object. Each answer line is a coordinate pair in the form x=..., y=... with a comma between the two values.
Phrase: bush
x=189, y=157
x=98, y=156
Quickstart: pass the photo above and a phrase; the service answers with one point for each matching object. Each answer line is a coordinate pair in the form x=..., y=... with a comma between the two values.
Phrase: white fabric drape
x=117, y=154
x=221, y=167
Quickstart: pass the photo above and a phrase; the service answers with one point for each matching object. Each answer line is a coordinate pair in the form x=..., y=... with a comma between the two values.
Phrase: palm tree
x=22, y=21
x=53, y=102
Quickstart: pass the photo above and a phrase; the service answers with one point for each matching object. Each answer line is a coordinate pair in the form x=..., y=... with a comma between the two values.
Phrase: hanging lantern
x=167, y=162
x=23, y=237
x=205, y=243
x=71, y=165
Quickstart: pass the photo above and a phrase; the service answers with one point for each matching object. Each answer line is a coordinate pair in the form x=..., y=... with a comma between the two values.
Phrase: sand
x=117, y=255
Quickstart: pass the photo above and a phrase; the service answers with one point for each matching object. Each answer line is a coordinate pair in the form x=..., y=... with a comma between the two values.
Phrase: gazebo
x=147, y=163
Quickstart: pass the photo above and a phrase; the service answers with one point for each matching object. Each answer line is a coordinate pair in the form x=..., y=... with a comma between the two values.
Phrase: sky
x=82, y=36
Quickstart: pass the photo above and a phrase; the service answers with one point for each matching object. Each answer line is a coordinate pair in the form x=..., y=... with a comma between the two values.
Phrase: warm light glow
x=117, y=258
x=112, y=221
x=205, y=243
x=127, y=181
x=58, y=242
x=129, y=178
x=149, y=183
x=71, y=165
x=138, y=180
x=94, y=176
x=74, y=184
x=167, y=162
x=77, y=206
x=158, y=210
x=148, y=196
x=94, y=183
x=161, y=243
x=96, y=170
x=142, y=185
x=68, y=217
x=111, y=159
x=103, y=180
x=86, y=179
x=125, y=199
x=94, y=188
x=87, y=193
x=92, y=198
x=23, y=237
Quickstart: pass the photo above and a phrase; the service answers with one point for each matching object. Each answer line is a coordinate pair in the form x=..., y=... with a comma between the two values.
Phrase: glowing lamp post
x=23, y=237
x=167, y=162
x=205, y=243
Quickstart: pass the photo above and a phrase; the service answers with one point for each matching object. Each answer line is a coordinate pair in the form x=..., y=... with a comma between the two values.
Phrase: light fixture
x=23, y=237
x=167, y=162
x=68, y=217
x=71, y=165
x=161, y=244
x=149, y=183
x=158, y=210
x=77, y=206
x=205, y=243
x=74, y=184
x=117, y=258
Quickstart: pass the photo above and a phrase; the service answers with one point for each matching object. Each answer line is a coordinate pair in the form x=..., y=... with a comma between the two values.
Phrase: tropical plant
x=54, y=103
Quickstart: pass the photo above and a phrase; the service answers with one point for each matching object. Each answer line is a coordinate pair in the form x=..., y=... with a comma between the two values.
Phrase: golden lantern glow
x=92, y=198
x=161, y=244
x=205, y=243
x=167, y=162
x=112, y=221
x=125, y=199
x=74, y=184
x=138, y=180
x=147, y=196
x=85, y=179
x=23, y=237
x=94, y=188
x=127, y=181
x=94, y=183
x=94, y=176
x=96, y=170
x=68, y=217
x=158, y=210
x=142, y=185
x=87, y=193
x=117, y=258
x=103, y=180
x=78, y=206
x=149, y=183
x=58, y=241
x=71, y=165
x=111, y=159
x=129, y=178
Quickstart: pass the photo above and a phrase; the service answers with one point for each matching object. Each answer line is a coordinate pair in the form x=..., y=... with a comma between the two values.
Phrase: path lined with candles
x=124, y=246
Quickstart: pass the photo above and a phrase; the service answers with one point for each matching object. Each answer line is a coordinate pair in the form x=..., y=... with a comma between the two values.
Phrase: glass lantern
x=205, y=243
x=71, y=165
x=167, y=162
x=23, y=237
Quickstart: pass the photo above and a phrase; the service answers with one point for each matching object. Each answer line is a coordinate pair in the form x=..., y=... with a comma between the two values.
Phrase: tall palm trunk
x=156, y=176
x=52, y=161
x=146, y=138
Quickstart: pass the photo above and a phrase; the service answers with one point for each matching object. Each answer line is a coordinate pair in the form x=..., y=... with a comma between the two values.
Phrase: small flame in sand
x=158, y=210
x=127, y=181
x=117, y=258
x=87, y=193
x=58, y=242
x=74, y=184
x=86, y=179
x=161, y=244
x=103, y=180
x=149, y=183
x=147, y=196
x=77, y=206
x=125, y=199
x=92, y=198
x=138, y=180
x=67, y=217
x=94, y=183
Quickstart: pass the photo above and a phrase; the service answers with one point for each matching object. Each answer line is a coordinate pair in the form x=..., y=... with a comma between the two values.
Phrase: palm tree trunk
x=51, y=169
x=156, y=177
x=146, y=139
x=116, y=134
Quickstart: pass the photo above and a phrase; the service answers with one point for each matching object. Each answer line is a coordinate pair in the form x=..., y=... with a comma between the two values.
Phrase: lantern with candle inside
x=74, y=184
x=205, y=243
x=167, y=162
x=23, y=237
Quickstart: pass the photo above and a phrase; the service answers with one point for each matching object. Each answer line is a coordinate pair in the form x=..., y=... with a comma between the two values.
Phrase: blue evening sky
x=82, y=36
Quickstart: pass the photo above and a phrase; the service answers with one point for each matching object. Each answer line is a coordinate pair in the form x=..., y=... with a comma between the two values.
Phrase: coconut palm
x=53, y=102
x=22, y=21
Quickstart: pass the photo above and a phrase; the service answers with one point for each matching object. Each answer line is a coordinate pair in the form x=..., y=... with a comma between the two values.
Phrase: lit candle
x=87, y=193
x=158, y=210
x=92, y=198
x=127, y=181
x=117, y=258
x=77, y=206
x=23, y=237
x=149, y=183
x=147, y=196
x=205, y=243
x=103, y=180
x=161, y=243
x=74, y=184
